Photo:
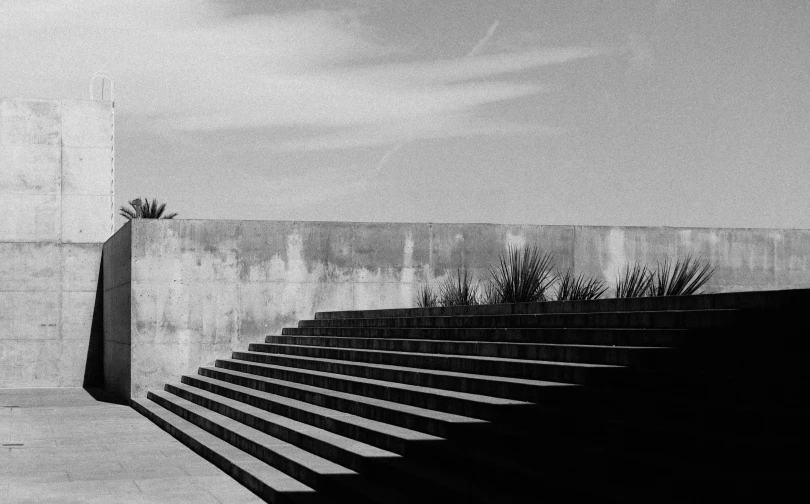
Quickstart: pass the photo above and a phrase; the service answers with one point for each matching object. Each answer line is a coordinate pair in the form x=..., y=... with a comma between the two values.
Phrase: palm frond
x=143, y=209
x=523, y=275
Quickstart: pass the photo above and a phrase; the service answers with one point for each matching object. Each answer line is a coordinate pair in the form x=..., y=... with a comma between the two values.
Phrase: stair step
x=486, y=385
x=429, y=421
x=448, y=401
x=760, y=300
x=384, y=467
x=650, y=319
x=316, y=472
x=383, y=435
x=592, y=354
x=265, y=481
x=557, y=371
x=579, y=336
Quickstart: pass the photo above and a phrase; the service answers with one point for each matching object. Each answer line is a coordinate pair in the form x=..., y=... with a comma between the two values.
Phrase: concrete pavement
x=63, y=446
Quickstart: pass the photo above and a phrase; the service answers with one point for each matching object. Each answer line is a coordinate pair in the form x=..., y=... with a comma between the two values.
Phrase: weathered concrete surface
x=62, y=445
x=200, y=289
x=56, y=197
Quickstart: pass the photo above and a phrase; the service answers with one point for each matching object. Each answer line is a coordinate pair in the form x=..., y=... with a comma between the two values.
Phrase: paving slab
x=63, y=445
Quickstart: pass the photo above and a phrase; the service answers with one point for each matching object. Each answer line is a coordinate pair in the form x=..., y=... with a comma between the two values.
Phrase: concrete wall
x=56, y=202
x=200, y=289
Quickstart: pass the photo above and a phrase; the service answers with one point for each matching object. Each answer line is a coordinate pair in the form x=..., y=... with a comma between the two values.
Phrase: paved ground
x=63, y=446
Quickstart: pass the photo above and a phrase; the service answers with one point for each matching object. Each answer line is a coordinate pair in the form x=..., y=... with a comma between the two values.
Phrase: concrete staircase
x=682, y=399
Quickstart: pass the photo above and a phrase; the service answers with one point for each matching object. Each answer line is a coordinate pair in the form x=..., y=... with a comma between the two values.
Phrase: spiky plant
x=426, y=297
x=571, y=287
x=142, y=209
x=490, y=295
x=683, y=278
x=523, y=275
x=458, y=291
x=635, y=282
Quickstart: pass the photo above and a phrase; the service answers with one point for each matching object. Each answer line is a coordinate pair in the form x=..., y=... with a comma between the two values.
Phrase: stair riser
x=470, y=448
x=392, y=473
x=579, y=354
x=330, y=452
x=560, y=372
x=527, y=417
x=395, y=472
x=379, y=413
x=483, y=386
x=644, y=320
x=621, y=337
x=244, y=478
x=414, y=398
x=340, y=486
x=738, y=300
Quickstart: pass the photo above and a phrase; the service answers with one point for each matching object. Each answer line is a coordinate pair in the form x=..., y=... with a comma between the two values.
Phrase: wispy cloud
x=184, y=65
x=393, y=150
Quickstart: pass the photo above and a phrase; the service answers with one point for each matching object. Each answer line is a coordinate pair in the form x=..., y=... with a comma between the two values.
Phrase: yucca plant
x=683, y=278
x=635, y=282
x=142, y=209
x=460, y=291
x=523, y=275
x=426, y=297
x=571, y=287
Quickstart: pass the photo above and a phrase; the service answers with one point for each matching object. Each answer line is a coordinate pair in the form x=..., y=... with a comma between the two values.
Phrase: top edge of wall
x=34, y=98
x=403, y=223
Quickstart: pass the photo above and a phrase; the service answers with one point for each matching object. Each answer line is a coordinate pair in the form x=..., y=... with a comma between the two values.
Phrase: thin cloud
x=393, y=150
x=183, y=65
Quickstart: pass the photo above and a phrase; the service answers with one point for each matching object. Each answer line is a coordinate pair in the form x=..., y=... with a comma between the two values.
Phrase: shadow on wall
x=94, y=363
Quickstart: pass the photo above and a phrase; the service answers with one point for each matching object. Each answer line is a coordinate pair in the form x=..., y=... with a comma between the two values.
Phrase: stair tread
x=267, y=474
x=424, y=412
x=451, y=356
x=350, y=445
x=382, y=427
x=536, y=315
x=483, y=342
x=520, y=381
x=286, y=450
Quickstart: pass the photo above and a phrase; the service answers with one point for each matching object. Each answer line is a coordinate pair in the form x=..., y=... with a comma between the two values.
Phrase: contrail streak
x=481, y=43
x=476, y=48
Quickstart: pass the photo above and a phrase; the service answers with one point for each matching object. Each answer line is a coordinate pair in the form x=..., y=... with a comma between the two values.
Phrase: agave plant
x=571, y=288
x=426, y=297
x=142, y=209
x=634, y=283
x=683, y=278
x=523, y=275
x=460, y=291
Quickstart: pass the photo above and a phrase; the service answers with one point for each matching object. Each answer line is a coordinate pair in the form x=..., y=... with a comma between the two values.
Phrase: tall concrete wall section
x=200, y=289
x=116, y=294
x=56, y=202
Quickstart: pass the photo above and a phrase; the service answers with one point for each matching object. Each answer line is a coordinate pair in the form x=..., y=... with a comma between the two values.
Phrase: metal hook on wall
x=104, y=76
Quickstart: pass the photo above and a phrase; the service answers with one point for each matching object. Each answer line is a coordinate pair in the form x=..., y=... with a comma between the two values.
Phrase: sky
x=632, y=113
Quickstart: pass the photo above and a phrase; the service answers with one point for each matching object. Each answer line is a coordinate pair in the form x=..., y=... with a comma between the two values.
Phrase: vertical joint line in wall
x=112, y=162
x=61, y=218
x=61, y=167
x=573, y=250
